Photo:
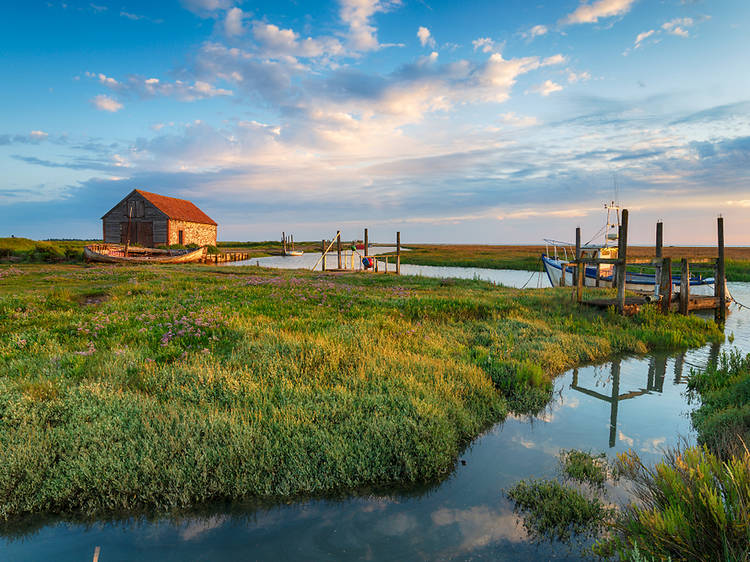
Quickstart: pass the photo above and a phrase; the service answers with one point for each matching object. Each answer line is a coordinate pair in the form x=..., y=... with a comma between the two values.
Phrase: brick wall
x=194, y=233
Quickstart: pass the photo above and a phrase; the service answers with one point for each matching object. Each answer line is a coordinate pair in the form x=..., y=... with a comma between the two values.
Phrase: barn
x=149, y=219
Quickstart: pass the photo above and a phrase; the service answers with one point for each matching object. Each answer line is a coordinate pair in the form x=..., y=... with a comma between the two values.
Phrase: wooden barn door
x=146, y=234
x=124, y=232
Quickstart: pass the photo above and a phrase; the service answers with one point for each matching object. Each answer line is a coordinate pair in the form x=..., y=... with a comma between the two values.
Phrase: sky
x=480, y=122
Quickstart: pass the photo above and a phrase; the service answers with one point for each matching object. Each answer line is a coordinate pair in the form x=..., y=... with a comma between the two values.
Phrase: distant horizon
x=492, y=122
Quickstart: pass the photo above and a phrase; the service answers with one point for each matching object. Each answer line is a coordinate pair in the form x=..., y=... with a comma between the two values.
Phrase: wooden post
x=622, y=256
x=283, y=243
x=367, y=244
x=338, y=246
x=684, y=286
x=398, y=253
x=658, y=255
x=578, y=254
x=323, y=249
x=720, y=287
x=666, y=284
x=659, y=239
x=386, y=264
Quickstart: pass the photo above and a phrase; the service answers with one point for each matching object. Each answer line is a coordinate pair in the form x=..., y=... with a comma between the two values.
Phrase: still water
x=634, y=402
x=507, y=277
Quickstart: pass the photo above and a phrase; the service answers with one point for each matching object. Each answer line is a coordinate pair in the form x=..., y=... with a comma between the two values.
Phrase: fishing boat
x=117, y=253
x=560, y=272
x=294, y=252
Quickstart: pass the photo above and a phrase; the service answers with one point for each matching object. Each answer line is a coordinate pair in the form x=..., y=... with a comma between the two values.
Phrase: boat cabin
x=148, y=219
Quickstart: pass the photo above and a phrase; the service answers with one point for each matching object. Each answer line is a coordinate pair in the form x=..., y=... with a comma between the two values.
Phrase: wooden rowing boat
x=294, y=253
x=115, y=253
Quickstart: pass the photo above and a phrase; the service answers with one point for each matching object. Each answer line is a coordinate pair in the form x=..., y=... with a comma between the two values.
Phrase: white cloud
x=38, y=135
x=677, y=26
x=150, y=87
x=642, y=37
x=425, y=37
x=206, y=7
x=579, y=77
x=105, y=103
x=592, y=13
x=233, y=22
x=357, y=14
x=276, y=42
x=536, y=31
x=546, y=88
x=485, y=44
x=554, y=59
x=514, y=120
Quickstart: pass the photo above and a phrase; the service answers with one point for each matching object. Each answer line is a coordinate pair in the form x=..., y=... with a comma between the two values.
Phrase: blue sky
x=497, y=122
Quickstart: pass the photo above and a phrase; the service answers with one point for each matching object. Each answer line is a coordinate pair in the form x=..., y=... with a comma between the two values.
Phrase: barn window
x=132, y=209
x=181, y=236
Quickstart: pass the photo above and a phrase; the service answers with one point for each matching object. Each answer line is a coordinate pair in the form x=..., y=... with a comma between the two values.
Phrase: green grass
x=723, y=418
x=553, y=511
x=36, y=251
x=124, y=388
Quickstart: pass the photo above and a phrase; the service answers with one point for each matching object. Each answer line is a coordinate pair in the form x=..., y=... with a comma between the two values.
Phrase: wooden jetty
x=351, y=260
x=682, y=302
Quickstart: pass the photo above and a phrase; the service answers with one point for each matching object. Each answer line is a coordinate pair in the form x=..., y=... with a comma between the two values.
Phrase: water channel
x=633, y=402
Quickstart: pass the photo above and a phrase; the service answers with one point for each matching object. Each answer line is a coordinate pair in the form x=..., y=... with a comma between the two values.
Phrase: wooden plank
x=367, y=245
x=684, y=286
x=665, y=289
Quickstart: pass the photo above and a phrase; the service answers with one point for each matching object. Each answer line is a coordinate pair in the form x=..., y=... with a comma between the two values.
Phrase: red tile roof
x=177, y=209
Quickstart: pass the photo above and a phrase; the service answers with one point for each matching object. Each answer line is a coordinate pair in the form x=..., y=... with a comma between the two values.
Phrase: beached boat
x=116, y=253
x=558, y=255
x=294, y=253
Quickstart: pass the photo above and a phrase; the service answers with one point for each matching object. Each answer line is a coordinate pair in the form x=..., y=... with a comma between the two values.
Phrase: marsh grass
x=553, y=511
x=124, y=388
x=723, y=418
x=585, y=467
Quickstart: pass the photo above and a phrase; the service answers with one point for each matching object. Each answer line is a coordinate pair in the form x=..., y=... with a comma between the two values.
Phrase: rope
x=532, y=274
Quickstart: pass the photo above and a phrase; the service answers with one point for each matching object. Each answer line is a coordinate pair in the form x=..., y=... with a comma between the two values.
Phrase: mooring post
x=578, y=254
x=323, y=251
x=338, y=246
x=658, y=257
x=666, y=284
x=398, y=253
x=283, y=243
x=684, y=286
x=720, y=287
x=580, y=271
x=622, y=255
x=367, y=244
x=659, y=239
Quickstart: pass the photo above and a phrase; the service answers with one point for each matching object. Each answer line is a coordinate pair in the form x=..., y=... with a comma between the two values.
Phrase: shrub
x=690, y=506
